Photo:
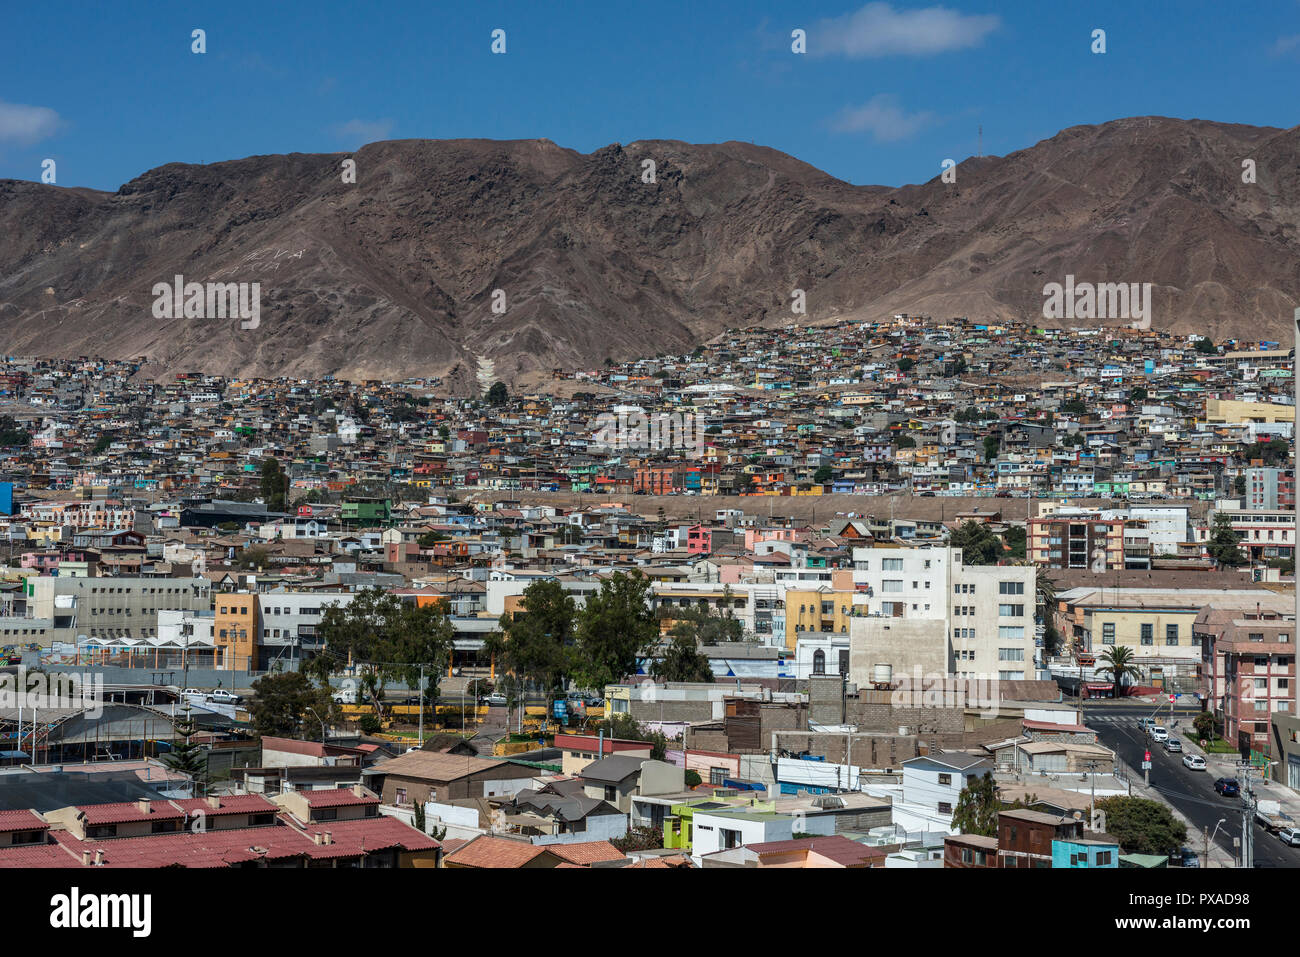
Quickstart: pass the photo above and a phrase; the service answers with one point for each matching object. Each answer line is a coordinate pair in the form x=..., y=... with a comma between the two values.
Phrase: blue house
x=1082, y=853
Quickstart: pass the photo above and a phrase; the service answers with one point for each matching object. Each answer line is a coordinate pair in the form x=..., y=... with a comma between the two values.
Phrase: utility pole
x=1247, y=814
x=422, y=697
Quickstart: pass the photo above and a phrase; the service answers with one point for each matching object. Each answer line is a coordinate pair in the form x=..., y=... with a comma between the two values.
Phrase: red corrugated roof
x=129, y=811
x=20, y=821
x=586, y=852
x=229, y=804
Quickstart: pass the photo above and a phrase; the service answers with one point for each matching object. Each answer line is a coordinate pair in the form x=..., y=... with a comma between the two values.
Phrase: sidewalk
x=1225, y=766
x=1218, y=857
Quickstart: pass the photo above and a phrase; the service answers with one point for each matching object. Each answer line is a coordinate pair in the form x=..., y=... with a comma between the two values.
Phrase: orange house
x=235, y=631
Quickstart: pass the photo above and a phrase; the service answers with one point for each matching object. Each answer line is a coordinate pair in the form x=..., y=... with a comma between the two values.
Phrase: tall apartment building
x=973, y=620
x=1270, y=488
x=1077, y=542
x=1248, y=668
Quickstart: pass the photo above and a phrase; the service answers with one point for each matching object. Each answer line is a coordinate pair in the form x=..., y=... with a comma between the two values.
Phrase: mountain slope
x=395, y=275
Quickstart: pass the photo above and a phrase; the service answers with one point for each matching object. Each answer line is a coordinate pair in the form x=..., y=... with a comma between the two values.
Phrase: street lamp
x=322, y=725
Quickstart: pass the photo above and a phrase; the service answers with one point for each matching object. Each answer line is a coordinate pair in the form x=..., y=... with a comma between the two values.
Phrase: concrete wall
x=904, y=643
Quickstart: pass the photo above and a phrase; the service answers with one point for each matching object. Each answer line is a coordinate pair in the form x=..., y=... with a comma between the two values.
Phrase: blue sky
x=885, y=92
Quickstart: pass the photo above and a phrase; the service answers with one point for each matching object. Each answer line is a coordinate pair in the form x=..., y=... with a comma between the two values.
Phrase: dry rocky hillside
x=394, y=276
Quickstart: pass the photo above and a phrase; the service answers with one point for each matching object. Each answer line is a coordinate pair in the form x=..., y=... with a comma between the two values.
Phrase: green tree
x=823, y=475
x=1223, y=543
x=536, y=644
x=905, y=364
x=1142, y=826
x=280, y=703
x=274, y=485
x=693, y=779
x=1239, y=485
x=498, y=394
x=640, y=839
x=614, y=627
x=1073, y=407
x=904, y=442
x=102, y=444
x=1014, y=538
x=1138, y=395
x=255, y=557
x=623, y=727
x=682, y=660
x=1205, y=725
x=186, y=756
x=1205, y=345
x=978, y=543
x=1119, y=663
x=389, y=639
x=12, y=433
x=991, y=446
x=977, y=807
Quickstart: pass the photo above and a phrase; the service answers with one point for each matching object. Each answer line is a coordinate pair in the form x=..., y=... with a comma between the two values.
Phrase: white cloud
x=879, y=30
x=884, y=119
x=363, y=131
x=1285, y=45
x=25, y=125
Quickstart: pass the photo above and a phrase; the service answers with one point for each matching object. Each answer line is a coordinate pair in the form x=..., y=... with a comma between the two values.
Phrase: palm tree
x=1045, y=587
x=1119, y=662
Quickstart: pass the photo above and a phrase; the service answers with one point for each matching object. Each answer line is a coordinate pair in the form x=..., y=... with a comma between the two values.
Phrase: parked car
x=1146, y=724
x=1159, y=733
x=1289, y=836
x=1228, y=787
x=222, y=697
x=1174, y=746
x=1184, y=857
x=193, y=693
x=346, y=696
x=495, y=700
x=1194, y=761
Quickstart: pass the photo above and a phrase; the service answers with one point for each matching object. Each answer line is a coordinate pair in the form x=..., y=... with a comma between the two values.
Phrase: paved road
x=1192, y=792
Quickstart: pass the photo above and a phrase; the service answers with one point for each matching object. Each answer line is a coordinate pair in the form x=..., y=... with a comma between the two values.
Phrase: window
x=892, y=565
x=326, y=814
x=1171, y=634
x=945, y=807
x=819, y=662
x=1108, y=633
x=611, y=793
x=1011, y=654
x=1103, y=858
x=1011, y=632
x=401, y=796
x=1011, y=611
x=945, y=779
x=717, y=775
x=1148, y=634
x=1011, y=588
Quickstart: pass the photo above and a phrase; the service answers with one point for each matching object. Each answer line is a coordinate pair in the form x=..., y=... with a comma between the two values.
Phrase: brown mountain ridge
x=395, y=275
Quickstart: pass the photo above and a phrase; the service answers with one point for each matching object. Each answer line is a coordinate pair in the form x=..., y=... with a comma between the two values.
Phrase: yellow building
x=816, y=610
x=1231, y=410
x=235, y=630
